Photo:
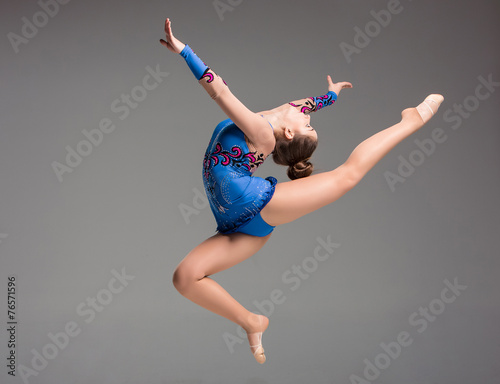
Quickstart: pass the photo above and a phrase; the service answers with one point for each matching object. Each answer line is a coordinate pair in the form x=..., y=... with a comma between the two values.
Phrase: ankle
x=411, y=117
x=255, y=323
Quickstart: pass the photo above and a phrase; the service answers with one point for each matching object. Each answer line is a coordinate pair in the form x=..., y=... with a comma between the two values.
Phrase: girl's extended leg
x=297, y=198
x=216, y=254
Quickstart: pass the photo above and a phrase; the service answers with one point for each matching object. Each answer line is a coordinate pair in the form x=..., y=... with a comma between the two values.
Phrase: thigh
x=296, y=198
x=221, y=252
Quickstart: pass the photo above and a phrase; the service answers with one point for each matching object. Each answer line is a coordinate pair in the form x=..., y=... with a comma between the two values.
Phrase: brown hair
x=296, y=154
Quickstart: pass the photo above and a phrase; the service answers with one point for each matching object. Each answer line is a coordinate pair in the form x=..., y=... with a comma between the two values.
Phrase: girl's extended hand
x=170, y=41
x=337, y=87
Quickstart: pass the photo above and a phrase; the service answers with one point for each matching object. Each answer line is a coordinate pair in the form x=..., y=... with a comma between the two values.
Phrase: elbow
x=214, y=86
x=218, y=90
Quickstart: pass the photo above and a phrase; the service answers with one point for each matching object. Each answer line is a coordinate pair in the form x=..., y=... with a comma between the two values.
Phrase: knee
x=180, y=279
x=183, y=277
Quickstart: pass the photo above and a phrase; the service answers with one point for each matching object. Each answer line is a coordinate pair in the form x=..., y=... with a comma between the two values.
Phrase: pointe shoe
x=259, y=350
x=429, y=106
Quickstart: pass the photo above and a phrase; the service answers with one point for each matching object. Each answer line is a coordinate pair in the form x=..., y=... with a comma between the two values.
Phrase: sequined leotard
x=236, y=197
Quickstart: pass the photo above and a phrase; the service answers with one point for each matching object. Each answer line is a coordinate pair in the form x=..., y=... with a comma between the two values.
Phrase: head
x=295, y=144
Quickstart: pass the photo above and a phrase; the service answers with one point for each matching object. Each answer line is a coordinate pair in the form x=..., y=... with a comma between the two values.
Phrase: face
x=301, y=125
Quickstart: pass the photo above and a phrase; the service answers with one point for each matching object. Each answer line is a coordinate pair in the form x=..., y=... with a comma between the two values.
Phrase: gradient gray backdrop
x=120, y=209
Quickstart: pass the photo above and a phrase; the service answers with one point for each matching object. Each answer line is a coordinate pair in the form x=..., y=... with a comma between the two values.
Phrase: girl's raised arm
x=313, y=104
x=254, y=126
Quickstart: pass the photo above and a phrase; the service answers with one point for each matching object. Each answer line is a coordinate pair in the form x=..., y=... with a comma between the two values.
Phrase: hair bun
x=295, y=154
x=301, y=169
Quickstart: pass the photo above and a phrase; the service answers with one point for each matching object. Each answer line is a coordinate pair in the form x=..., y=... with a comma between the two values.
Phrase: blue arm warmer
x=313, y=104
x=194, y=63
x=324, y=101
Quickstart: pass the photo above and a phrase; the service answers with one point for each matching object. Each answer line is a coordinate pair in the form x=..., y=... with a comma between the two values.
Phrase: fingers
x=341, y=84
x=168, y=28
x=168, y=34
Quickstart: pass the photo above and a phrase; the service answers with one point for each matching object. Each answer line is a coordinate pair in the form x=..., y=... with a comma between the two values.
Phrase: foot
x=429, y=107
x=258, y=324
x=420, y=115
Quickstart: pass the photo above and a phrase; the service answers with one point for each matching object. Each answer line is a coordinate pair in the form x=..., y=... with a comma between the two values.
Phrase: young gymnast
x=248, y=208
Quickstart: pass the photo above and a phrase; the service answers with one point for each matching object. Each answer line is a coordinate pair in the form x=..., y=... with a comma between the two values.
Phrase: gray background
x=121, y=207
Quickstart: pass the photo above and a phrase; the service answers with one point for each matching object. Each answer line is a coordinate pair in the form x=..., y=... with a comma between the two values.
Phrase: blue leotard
x=237, y=197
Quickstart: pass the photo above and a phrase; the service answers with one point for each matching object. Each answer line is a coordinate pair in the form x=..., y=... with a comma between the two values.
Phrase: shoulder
x=265, y=147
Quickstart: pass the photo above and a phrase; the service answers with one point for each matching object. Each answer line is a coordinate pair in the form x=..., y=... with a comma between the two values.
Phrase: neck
x=276, y=118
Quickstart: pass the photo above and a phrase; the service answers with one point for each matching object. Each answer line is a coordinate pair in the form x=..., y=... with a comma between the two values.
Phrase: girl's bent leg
x=216, y=254
x=297, y=198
